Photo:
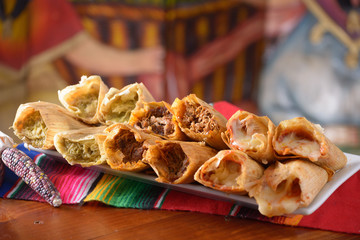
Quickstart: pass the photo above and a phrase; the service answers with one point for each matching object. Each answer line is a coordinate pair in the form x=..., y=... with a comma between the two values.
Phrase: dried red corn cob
x=24, y=167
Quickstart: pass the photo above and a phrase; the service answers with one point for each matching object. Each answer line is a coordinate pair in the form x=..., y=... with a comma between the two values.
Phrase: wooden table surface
x=33, y=220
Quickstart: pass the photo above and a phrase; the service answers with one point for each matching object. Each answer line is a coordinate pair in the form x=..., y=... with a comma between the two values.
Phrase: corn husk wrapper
x=229, y=171
x=125, y=147
x=157, y=118
x=287, y=186
x=36, y=123
x=118, y=104
x=251, y=134
x=83, y=99
x=176, y=162
x=299, y=138
x=82, y=146
x=200, y=121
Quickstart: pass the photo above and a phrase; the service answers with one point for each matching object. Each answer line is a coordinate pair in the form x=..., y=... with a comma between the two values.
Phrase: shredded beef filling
x=158, y=120
x=132, y=149
x=199, y=119
x=175, y=159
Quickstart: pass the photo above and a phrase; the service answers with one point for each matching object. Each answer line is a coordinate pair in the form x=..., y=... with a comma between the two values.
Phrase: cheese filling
x=286, y=199
x=295, y=144
x=247, y=135
x=225, y=174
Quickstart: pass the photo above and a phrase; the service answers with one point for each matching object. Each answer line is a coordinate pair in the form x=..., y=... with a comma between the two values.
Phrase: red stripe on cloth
x=186, y=202
x=341, y=212
x=226, y=109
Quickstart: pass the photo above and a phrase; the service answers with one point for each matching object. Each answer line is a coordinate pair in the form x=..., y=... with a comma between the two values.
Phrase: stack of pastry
x=283, y=167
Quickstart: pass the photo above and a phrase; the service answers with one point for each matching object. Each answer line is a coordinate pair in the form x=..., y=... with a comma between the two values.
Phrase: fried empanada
x=36, y=123
x=299, y=138
x=83, y=99
x=251, y=134
x=81, y=146
x=229, y=171
x=118, y=104
x=125, y=147
x=177, y=161
x=157, y=118
x=200, y=121
x=287, y=186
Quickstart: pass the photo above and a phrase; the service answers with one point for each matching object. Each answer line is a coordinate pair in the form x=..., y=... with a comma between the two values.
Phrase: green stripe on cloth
x=122, y=192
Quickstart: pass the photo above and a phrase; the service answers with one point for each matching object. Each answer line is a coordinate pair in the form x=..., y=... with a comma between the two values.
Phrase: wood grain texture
x=33, y=220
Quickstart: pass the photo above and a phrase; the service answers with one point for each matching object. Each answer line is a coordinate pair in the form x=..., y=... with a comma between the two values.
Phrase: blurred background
x=277, y=58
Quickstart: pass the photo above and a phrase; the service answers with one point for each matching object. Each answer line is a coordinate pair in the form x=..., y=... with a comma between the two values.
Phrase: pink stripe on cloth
x=76, y=182
x=73, y=182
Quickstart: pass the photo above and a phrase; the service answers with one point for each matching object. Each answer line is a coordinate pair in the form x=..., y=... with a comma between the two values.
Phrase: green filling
x=122, y=110
x=83, y=151
x=87, y=105
x=34, y=130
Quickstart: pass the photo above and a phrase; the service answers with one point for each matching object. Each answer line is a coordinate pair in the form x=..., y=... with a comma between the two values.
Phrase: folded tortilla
x=287, y=186
x=251, y=134
x=125, y=147
x=81, y=146
x=84, y=99
x=176, y=162
x=200, y=121
x=118, y=104
x=157, y=118
x=299, y=138
x=229, y=171
x=36, y=123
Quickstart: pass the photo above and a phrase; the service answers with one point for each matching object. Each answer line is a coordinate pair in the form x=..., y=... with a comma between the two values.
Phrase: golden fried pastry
x=36, y=123
x=200, y=121
x=125, y=147
x=83, y=100
x=229, y=171
x=251, y=134
x=81, y=146
x=177, y=161
x=287, y=186
x=157, y=118
x=299, y=138
x=118, y=104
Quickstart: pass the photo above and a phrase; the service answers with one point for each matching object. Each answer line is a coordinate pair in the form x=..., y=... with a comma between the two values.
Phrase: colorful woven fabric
x=72, y=182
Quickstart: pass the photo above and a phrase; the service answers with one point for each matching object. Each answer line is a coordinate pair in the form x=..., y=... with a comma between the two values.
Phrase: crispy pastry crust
x=287, y=186
x=81, y=146
x=118, y=104
x=157, y=118
x=229, y=171
x=36, y=123
x=200, y=121
x=251, y=134
x=83, y=100
x=177, y=161
x=125, y=147
x=299, y=138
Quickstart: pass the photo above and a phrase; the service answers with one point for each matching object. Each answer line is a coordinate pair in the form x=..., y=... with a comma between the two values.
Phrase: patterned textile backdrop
x=213, y=48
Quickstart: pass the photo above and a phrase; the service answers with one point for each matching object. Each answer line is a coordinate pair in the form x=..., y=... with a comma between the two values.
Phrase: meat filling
x=175, y=159
x=158, y=121
x=127, y=144
x=199, y=119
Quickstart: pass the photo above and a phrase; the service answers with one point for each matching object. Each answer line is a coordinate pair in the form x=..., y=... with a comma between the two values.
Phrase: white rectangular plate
x=339, y=178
